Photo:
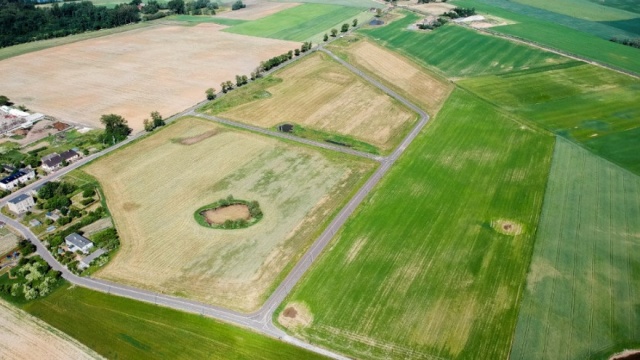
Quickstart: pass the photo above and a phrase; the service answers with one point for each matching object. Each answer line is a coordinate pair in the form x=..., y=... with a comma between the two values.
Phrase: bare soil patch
x=196, y=139
x=434, y=8
x=295, y=316
x=133, y=73
x=222, y=214
x=256, y=10
x=26, y=337
x=507, y=227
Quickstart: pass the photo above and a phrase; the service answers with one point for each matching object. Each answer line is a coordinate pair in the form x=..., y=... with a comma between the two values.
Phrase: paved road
x=260, y=320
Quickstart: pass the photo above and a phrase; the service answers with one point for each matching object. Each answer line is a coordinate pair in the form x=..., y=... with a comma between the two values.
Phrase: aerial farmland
x=343, y=179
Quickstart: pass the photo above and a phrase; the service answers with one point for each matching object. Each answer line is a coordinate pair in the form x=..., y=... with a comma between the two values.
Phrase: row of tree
x=23, y=22
x=628, y=42
x=155, y=122
x=459, y=12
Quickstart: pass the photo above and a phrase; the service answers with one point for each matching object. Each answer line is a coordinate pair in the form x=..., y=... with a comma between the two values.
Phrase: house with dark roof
x=21, y=204
x=53, y=162
x=17, y=178
x=77, y=242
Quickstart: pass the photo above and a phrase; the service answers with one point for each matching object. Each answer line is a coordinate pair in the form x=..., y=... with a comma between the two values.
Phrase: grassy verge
x=194, y=20
x=122, y=328
x=331, y=138
x=431, y=265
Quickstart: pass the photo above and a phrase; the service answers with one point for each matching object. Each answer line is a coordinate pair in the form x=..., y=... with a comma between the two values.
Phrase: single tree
x=239, y=81
x=116, y=128
x=157, y=119
x=326, y=37
x=238, y=5
x=211, y=94
x=177, y=6
x=148, y=125
x=297, y=52
x=334, y=32
x=4, y=100
x=355, y=22
x=345, y=27
x=223, y=86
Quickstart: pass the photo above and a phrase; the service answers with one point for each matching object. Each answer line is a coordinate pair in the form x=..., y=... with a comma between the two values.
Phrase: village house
x=87, y=260
x=15, y=179
x=77, y=242
x=53, y=162
x=21, y=204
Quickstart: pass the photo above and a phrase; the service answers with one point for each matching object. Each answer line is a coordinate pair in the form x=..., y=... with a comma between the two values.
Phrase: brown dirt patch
x=256, y=10
x=295, y=316
x=626, y=355
x=233, y=212
x=130, y=206
x=196, y=139
x=133, y=73
x=434, y=8
x=507, y=227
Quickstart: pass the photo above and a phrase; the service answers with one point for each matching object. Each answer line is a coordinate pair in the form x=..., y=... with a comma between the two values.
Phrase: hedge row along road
x=261, y=320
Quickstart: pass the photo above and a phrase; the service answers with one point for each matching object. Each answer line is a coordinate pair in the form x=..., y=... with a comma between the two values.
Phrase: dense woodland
x=22, y=22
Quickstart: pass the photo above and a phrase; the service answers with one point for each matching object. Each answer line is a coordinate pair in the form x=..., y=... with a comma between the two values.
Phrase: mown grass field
x=120, y=328
x=409, y=79
x=154, y=186
x=298, y=23
x=562, y=38
x=592, y=106
x=582, y=299
x=457, y=51
x=319, y=93
x=433, y=263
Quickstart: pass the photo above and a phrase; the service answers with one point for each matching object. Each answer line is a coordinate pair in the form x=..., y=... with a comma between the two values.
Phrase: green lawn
x=298, y=23
x=424, y=268
x=582, y=299
x=205, y=19
x=592, y=106
x=120, y=328
x=457, y=51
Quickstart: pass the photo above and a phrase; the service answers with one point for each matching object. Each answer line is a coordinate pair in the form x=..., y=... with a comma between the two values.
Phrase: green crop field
x=189, y=19
x=432, y=264
x=457, y=51
x=583, y=9
x=582, y=299
x=120, y=328
x=561, y=37
x=297, y=23
x=352, y=3
x=595, y=107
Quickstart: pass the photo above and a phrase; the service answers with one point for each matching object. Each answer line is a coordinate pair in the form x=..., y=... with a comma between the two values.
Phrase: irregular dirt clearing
x=256, y=10
x=159, y=68
x=233, y=212
x=154, y=187
x=434, y=8
x=26, y=337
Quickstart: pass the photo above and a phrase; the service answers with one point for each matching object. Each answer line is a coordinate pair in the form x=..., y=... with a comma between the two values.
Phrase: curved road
x=260, y=320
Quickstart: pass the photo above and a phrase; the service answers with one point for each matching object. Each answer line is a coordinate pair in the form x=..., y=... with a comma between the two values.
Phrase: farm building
x=87, y=260
x=77, y=242
x=20, y=177
x=21, y=204
x=54, y=161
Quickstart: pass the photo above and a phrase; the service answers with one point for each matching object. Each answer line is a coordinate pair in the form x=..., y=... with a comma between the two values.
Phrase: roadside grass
x=433, y=263
x=121, y=328
x=457, y=51
x=583, y=289
x=199, y=19
x=592, y=106
x=319, y=94
x=153, y=187
x=16, y=50
x=560, y=37
x=407, y=78
x=331, y=138
x=297, y=23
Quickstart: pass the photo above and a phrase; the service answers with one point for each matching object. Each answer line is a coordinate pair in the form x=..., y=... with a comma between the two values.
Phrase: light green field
x=297, y=23
x=587, y=104
x=582, y=299
x=583, y=9
x=425, y=267
x=352, y=3
x=194, y=20
x=457, y=51
x=120, y=328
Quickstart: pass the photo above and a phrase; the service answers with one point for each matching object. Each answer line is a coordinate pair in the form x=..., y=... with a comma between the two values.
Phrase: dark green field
x=595, y=107
x=433, y=262
x=457, y=51
x=582, y=299
x=120, y=328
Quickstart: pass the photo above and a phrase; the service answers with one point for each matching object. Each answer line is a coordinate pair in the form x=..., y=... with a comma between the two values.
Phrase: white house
x=21, y=204
x=20, y=177
x=77, y=242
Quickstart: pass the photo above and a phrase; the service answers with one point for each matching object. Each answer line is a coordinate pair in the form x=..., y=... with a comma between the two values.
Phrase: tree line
x=23, y=22
x=628, y=42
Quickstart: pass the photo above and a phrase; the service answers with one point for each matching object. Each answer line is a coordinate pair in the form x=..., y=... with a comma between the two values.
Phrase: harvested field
x=256, y=10
x=26, y=337
x=319, y=93
x=582, y=297
x=133, y=73
x=418, y=272
x=152, y=199
x=401, y=74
